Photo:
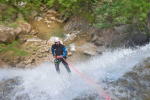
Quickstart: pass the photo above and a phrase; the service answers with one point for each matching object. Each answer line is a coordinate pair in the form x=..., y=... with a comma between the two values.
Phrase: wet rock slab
x=134, y=85
x=9, y=88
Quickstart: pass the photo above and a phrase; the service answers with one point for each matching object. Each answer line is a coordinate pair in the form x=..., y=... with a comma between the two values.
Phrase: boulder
x=8, y=88
x=88, y=49
x=9, y=34
x=6, y=37
x=25, y=27
x=137, y=39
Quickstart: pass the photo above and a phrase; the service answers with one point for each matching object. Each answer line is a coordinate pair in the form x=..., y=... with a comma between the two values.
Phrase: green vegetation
x=103, y=13
x=73, y=7
x=7, y=14
x=121, y=12
x=14, y=48
x=65, y=7
x=13, y=24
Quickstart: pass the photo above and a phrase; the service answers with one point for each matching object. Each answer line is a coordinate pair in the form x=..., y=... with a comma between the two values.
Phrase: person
x=59, y=52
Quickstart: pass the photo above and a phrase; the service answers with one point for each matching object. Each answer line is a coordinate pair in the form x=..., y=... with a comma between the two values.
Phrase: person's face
x=57, y=43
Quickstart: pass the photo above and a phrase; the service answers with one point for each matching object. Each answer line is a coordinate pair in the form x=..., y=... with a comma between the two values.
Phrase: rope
x=91, y=82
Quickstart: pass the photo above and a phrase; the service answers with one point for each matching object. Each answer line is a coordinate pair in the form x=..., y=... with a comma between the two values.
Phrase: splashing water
x=43, y=83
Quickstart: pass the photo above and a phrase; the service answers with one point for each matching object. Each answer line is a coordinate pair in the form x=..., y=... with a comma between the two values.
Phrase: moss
x=8, y=15
x=14, y=25
x=14, y=48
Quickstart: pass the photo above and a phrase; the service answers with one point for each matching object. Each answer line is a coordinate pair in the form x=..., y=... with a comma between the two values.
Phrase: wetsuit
x=60, y=50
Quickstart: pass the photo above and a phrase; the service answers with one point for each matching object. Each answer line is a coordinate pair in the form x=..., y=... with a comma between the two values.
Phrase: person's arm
x=53, y=51
x=64, y=52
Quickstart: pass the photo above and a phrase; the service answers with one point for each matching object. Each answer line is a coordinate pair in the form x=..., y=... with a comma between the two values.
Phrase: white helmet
x=58, y=40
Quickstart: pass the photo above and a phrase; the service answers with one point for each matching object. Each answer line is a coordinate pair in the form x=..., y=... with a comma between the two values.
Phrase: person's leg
x=66, y=65
x=57, y=62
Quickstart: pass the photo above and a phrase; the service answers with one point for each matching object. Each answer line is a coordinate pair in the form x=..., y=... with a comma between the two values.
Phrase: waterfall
x=43, y=83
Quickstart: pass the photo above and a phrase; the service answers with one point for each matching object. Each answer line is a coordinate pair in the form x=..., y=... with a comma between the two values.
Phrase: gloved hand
x=59, y=57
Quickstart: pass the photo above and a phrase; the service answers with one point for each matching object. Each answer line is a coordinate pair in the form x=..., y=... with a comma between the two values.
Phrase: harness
x=56, y=61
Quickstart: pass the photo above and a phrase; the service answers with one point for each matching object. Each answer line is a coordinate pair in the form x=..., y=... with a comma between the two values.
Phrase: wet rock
x=87, y=97
x=134, y=84
x=119, y=36
x=88, y=49
x=138, y=39
x=100, y=49
x=8, y=88
x=22, y=97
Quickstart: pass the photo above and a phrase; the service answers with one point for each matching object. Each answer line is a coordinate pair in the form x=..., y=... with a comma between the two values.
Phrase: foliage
x=68, y=8
x=122, y=12
x=65, y=7
x=8, y=14
x=14, y=47
x=105, y=13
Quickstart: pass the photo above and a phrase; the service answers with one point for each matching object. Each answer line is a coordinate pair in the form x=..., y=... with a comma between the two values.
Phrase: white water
x=43, y=83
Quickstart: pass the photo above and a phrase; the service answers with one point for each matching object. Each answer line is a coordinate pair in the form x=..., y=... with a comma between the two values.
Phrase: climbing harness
x=56, y=61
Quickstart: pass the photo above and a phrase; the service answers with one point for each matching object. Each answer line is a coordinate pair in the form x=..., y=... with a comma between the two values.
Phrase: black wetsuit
x=60, y=50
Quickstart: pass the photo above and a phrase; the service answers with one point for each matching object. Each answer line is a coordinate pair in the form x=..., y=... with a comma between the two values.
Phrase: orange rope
x=91, y=82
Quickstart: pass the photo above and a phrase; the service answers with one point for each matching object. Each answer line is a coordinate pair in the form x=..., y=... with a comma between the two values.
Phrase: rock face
x=75, y=27
x=76, y=30
x=134, y=85
x=38, y=52
x=47, y=24
x=10, y=87
x=88, y=49
x=125, y=35
x=9, y=34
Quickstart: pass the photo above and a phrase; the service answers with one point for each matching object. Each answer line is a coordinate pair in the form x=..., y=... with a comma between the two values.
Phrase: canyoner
x=59, y=53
